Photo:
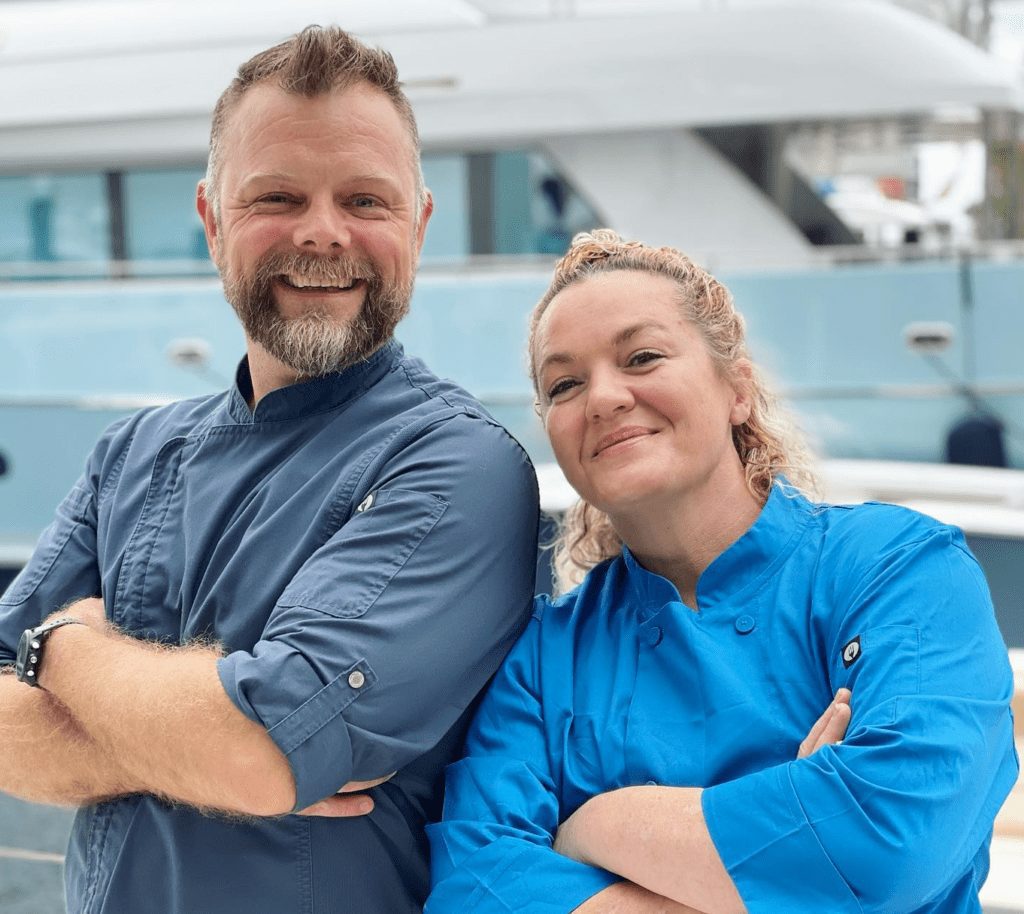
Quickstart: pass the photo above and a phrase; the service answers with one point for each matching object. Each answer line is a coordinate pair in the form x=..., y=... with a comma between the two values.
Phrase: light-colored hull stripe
x=20, y=853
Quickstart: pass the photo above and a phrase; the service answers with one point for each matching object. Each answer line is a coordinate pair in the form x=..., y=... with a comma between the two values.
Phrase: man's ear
x=421, y=229
x=205, y=208
x=742, y=383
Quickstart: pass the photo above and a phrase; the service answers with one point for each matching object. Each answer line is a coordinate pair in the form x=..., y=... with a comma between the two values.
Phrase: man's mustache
x=336, y=270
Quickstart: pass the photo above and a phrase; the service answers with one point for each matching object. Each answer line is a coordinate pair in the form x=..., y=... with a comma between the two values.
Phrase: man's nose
x=323, y=228
x=608, y=392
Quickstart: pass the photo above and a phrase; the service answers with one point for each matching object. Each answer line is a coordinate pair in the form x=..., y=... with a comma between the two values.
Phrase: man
x=303, y=582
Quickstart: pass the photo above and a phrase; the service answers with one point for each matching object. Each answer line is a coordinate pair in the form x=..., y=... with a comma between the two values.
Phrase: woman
x=636, y=751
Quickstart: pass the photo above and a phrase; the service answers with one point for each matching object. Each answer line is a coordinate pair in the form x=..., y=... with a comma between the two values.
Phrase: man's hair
x=314, y=62
x=768, y=444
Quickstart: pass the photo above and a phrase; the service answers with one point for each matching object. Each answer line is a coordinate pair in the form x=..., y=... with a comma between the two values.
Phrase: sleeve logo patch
x=366, y=503
x=851, y=652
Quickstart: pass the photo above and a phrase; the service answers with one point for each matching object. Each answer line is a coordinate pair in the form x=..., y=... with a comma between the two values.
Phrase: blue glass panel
x=53, y=218
x=536, y=211
x=161, y=222
x=448, y=230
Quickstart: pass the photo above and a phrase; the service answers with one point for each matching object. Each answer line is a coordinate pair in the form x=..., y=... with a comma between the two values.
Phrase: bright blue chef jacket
x=374, y=522
x=618, y=683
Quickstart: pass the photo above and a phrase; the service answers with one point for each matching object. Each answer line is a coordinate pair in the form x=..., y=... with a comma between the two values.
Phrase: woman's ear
x=743, y=389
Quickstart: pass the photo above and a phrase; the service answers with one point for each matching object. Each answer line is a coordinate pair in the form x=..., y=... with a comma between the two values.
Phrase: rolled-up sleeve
x=894, y=815
x=493, y=849
x=391, y=628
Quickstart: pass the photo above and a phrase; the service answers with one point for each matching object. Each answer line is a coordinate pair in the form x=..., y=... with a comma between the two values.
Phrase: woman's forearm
x=655, y=837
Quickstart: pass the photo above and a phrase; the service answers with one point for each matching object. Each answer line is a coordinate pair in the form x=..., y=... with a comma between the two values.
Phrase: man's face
x=318, y=237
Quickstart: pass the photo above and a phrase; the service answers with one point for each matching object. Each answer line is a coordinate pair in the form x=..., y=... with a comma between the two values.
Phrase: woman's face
x=636, y=410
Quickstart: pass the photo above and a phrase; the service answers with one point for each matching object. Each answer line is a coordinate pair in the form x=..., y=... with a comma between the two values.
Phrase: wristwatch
x=30, y=649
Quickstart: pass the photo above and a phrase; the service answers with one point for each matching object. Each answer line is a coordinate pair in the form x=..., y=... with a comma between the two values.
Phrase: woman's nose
x=608, y=392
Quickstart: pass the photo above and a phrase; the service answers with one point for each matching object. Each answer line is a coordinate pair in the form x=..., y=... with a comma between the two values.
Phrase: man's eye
x=274, y=198
x=365, y=202
x=561, y=387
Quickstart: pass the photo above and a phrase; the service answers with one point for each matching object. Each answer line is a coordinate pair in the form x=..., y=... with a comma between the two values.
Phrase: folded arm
x=163, y=715
x=642, y=833
x=364, y=664
x=893, y=815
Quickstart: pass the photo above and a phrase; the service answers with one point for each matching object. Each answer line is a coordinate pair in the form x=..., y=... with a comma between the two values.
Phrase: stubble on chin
x=316, y=343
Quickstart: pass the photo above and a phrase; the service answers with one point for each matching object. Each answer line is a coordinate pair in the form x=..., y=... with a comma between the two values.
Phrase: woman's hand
x=830, y=728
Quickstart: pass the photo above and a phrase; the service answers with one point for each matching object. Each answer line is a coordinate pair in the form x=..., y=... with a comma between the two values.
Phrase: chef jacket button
x=654, y=635
x=356, y=679
x=745, y=624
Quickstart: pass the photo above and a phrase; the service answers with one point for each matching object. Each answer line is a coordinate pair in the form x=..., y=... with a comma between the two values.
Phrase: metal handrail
x=19, y=272
x=128, y=401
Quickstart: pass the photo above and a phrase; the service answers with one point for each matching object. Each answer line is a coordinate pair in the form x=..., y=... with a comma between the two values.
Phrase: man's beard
x=317, y=343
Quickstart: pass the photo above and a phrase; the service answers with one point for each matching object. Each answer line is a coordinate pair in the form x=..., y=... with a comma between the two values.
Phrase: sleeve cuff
x=308, y=733
x=512, y=875
x=769, y=848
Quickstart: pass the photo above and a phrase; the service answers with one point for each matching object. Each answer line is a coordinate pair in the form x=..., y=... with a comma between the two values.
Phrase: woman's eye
x=644, y=357
x=561, y=387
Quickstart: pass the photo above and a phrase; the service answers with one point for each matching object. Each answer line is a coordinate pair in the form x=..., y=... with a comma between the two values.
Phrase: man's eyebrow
x=623, y=336
x=378, y=177
x=265, y=176
x=372, y=176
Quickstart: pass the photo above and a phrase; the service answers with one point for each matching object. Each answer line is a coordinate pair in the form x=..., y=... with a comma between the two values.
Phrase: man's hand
x=830, y=728
x=347, y=802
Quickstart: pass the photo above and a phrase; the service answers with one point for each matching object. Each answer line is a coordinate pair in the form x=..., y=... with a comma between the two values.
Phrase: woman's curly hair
x=767, y=442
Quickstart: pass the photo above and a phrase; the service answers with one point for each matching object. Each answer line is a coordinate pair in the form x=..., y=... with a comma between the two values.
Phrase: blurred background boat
x=852, y=169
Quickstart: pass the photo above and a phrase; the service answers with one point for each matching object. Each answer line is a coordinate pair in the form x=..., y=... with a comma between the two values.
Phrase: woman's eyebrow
x=555, y=358
x=626, y=334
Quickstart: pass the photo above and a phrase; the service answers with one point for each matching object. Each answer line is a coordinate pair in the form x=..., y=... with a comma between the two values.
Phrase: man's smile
x=309, y=284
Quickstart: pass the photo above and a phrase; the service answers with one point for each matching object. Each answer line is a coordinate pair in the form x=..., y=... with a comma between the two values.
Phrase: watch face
x=23, y=651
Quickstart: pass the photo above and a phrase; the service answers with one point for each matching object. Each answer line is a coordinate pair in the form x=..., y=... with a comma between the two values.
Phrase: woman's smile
x=620, y=439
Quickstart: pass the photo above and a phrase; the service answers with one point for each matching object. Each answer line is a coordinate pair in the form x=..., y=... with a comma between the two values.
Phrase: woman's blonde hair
x=767, y=442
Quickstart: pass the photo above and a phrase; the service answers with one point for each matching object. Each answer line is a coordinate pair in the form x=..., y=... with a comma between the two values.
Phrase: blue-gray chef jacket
x=376, y=520
x=618, y=683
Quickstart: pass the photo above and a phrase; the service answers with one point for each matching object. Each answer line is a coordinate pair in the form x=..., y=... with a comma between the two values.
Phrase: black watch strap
x=31, y=647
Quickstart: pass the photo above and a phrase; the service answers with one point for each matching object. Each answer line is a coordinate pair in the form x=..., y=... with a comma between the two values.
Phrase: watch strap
x=36, y=639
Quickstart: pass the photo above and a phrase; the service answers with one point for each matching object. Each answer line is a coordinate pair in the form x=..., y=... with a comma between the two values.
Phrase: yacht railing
x=824, y=257
x=515, y=399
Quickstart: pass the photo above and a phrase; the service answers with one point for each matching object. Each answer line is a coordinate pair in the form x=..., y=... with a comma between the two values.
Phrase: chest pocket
x=347, y=575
